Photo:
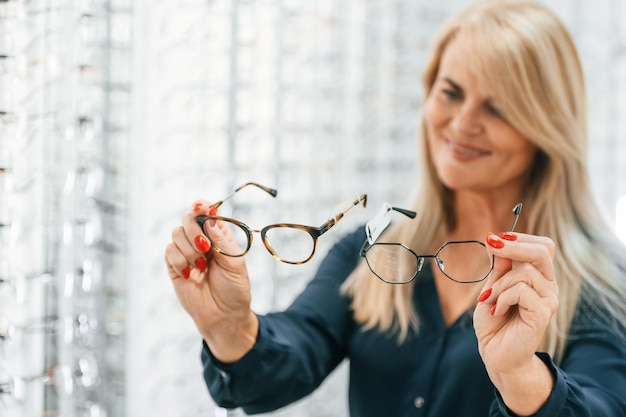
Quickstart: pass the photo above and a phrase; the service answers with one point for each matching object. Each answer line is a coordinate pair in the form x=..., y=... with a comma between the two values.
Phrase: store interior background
x=116, y=115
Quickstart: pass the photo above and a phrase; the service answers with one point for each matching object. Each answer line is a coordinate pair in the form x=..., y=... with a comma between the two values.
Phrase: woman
x=504, y=122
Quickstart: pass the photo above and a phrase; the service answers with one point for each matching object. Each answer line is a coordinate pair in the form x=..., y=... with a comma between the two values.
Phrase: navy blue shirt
x=437, y=372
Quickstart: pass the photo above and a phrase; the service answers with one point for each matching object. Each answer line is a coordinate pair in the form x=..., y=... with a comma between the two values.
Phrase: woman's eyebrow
x=452, y=83
x=490, y=101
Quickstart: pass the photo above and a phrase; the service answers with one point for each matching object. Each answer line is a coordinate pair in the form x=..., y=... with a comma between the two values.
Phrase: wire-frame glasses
x=287, y=242
x=396, y=263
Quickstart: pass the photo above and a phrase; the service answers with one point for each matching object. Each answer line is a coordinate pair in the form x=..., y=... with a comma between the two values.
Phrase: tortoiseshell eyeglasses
x=287, y=242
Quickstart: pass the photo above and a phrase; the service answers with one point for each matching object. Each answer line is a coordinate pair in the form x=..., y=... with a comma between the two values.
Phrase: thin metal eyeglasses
x=396, y=263
x=287, y=242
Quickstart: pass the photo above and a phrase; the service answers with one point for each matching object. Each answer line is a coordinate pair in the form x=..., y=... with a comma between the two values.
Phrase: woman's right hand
x=213, y=288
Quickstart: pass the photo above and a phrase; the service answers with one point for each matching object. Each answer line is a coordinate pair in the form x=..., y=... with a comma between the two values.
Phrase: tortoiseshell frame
x=314, y=232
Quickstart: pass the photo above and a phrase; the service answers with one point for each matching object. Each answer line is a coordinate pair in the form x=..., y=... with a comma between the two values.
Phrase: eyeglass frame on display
x=80, y=327
x=314, y=232
x=376, y=226
x=84, y=374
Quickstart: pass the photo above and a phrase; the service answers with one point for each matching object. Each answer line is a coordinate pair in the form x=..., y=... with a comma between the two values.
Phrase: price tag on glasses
x=378, y=223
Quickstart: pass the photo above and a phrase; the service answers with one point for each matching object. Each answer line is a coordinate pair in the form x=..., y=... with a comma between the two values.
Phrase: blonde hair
x=535, y=75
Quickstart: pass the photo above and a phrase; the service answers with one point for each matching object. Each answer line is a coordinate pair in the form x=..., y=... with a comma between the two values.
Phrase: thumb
x=484, y=307
x=500, y=267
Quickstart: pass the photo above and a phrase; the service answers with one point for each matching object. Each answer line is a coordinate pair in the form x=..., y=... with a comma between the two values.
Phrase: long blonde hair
x=530, y=62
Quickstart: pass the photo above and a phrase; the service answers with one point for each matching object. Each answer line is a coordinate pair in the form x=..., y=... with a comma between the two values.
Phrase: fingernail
x=212, y=212
x=494, y=241
x=197, y=205
x=508, y=236
x=484, y=295
x=186, y=272
x=202, y=244
x=200, y=263
x=493, y=309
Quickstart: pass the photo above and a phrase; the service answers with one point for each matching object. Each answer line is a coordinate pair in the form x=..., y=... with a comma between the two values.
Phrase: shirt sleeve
x=591, y=381
x=295, y=349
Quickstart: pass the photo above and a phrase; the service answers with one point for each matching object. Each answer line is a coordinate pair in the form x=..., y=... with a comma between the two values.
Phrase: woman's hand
x=214, y=289
x=512, y=315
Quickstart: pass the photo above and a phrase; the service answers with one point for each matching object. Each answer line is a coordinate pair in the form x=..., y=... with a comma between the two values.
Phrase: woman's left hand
x=515, y=307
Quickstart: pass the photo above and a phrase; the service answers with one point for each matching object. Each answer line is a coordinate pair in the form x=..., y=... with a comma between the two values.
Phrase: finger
x=176, y=262
x=201, y=206
x=530, y=276
x=536, y=250
x=190, y=224
x=532, y=308
x=186, y=248
x=203, y=223
x=194, y=234
x=500, y=267
x=526, y=238
x=181, y=255
x=172, y=272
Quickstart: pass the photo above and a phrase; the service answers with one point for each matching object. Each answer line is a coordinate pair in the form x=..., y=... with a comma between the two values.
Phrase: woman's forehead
x=459, y=65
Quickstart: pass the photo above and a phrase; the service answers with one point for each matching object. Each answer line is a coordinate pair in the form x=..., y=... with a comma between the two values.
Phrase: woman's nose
x=467, y=122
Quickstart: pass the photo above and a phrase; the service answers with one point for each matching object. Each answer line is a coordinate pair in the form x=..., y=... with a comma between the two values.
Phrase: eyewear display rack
x=61, y=204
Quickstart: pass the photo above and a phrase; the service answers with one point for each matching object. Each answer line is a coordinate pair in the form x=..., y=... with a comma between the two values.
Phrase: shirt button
x=419, y=402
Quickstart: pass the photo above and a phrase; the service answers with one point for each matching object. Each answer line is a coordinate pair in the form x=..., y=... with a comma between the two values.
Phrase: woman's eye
x=495, y=111
x=451, y=94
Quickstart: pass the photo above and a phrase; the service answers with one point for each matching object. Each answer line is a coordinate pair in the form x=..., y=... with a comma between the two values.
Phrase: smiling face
x=472, y=146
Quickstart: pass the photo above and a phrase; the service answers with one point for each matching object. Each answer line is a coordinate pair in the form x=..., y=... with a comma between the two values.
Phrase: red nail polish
x=484, y=295
x=186, y=272
x=494, y=241
x=200, y=263
x=493, y=309
x=196, y=206
x=212, y=212
x=508, y=236
x=202, y=244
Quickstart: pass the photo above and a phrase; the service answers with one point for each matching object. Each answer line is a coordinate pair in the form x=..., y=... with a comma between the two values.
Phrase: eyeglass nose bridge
x=420, y=259
x=420, y=264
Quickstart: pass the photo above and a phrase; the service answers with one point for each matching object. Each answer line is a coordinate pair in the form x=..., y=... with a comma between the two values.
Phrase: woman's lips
x=465, y=152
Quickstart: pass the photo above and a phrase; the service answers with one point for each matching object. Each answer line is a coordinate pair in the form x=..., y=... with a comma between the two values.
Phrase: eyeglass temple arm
x=268, y=190
x=331, y=222
x=406, y=212
x=378, y=223
x=516, y=211
x=367, y=244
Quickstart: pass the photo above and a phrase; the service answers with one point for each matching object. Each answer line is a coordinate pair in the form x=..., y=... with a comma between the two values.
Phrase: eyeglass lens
x=476, y=263
x=393, y=263
x=290, y=244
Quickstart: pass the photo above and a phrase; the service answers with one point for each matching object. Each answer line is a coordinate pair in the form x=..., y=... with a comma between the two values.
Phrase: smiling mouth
x=466, y=151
